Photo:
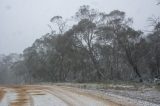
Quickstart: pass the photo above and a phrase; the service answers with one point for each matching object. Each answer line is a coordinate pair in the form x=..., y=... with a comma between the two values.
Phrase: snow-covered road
x=42, y=95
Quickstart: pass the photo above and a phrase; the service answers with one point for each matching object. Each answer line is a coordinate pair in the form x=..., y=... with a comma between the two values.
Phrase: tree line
x=98, y=47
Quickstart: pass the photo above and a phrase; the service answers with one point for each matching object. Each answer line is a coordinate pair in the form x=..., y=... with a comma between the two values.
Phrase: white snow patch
x=47, y=100
x=9, y=96
x=129, y=100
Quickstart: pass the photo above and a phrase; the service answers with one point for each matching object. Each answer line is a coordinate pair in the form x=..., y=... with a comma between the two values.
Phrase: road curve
x=43, y=95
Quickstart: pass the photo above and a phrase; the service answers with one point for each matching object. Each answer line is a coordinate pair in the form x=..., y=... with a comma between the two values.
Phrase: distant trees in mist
x=99, y=47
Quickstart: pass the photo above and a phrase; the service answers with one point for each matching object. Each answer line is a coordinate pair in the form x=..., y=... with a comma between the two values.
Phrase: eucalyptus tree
x=154, y=53
x=123, y=39
x=85, y=35
x=59, y=23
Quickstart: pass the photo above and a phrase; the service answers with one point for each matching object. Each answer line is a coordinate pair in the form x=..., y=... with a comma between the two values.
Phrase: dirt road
x=42, y=95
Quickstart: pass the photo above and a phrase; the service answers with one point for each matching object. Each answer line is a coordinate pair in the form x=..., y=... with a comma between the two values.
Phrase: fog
x=23, y=21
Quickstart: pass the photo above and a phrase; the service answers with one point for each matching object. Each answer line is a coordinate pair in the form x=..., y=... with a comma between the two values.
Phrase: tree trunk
x=96, y=66
x=133, y=64
x=135, y=68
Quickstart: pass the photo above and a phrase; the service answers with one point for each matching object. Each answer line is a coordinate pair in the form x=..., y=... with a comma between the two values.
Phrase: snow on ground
x=9, y=96
x=129, y=100
x=46, y=95
x=46, y=100
x=80, y=98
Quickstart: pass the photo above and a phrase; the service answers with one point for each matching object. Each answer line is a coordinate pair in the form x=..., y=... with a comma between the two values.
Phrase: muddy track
x=41, y=95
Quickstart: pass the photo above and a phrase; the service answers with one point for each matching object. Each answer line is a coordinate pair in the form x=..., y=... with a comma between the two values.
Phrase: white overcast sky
x=23, y=21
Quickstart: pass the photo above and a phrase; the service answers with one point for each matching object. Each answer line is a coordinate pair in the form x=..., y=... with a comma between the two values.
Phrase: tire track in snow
x=43, y=95
x=79, y=99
